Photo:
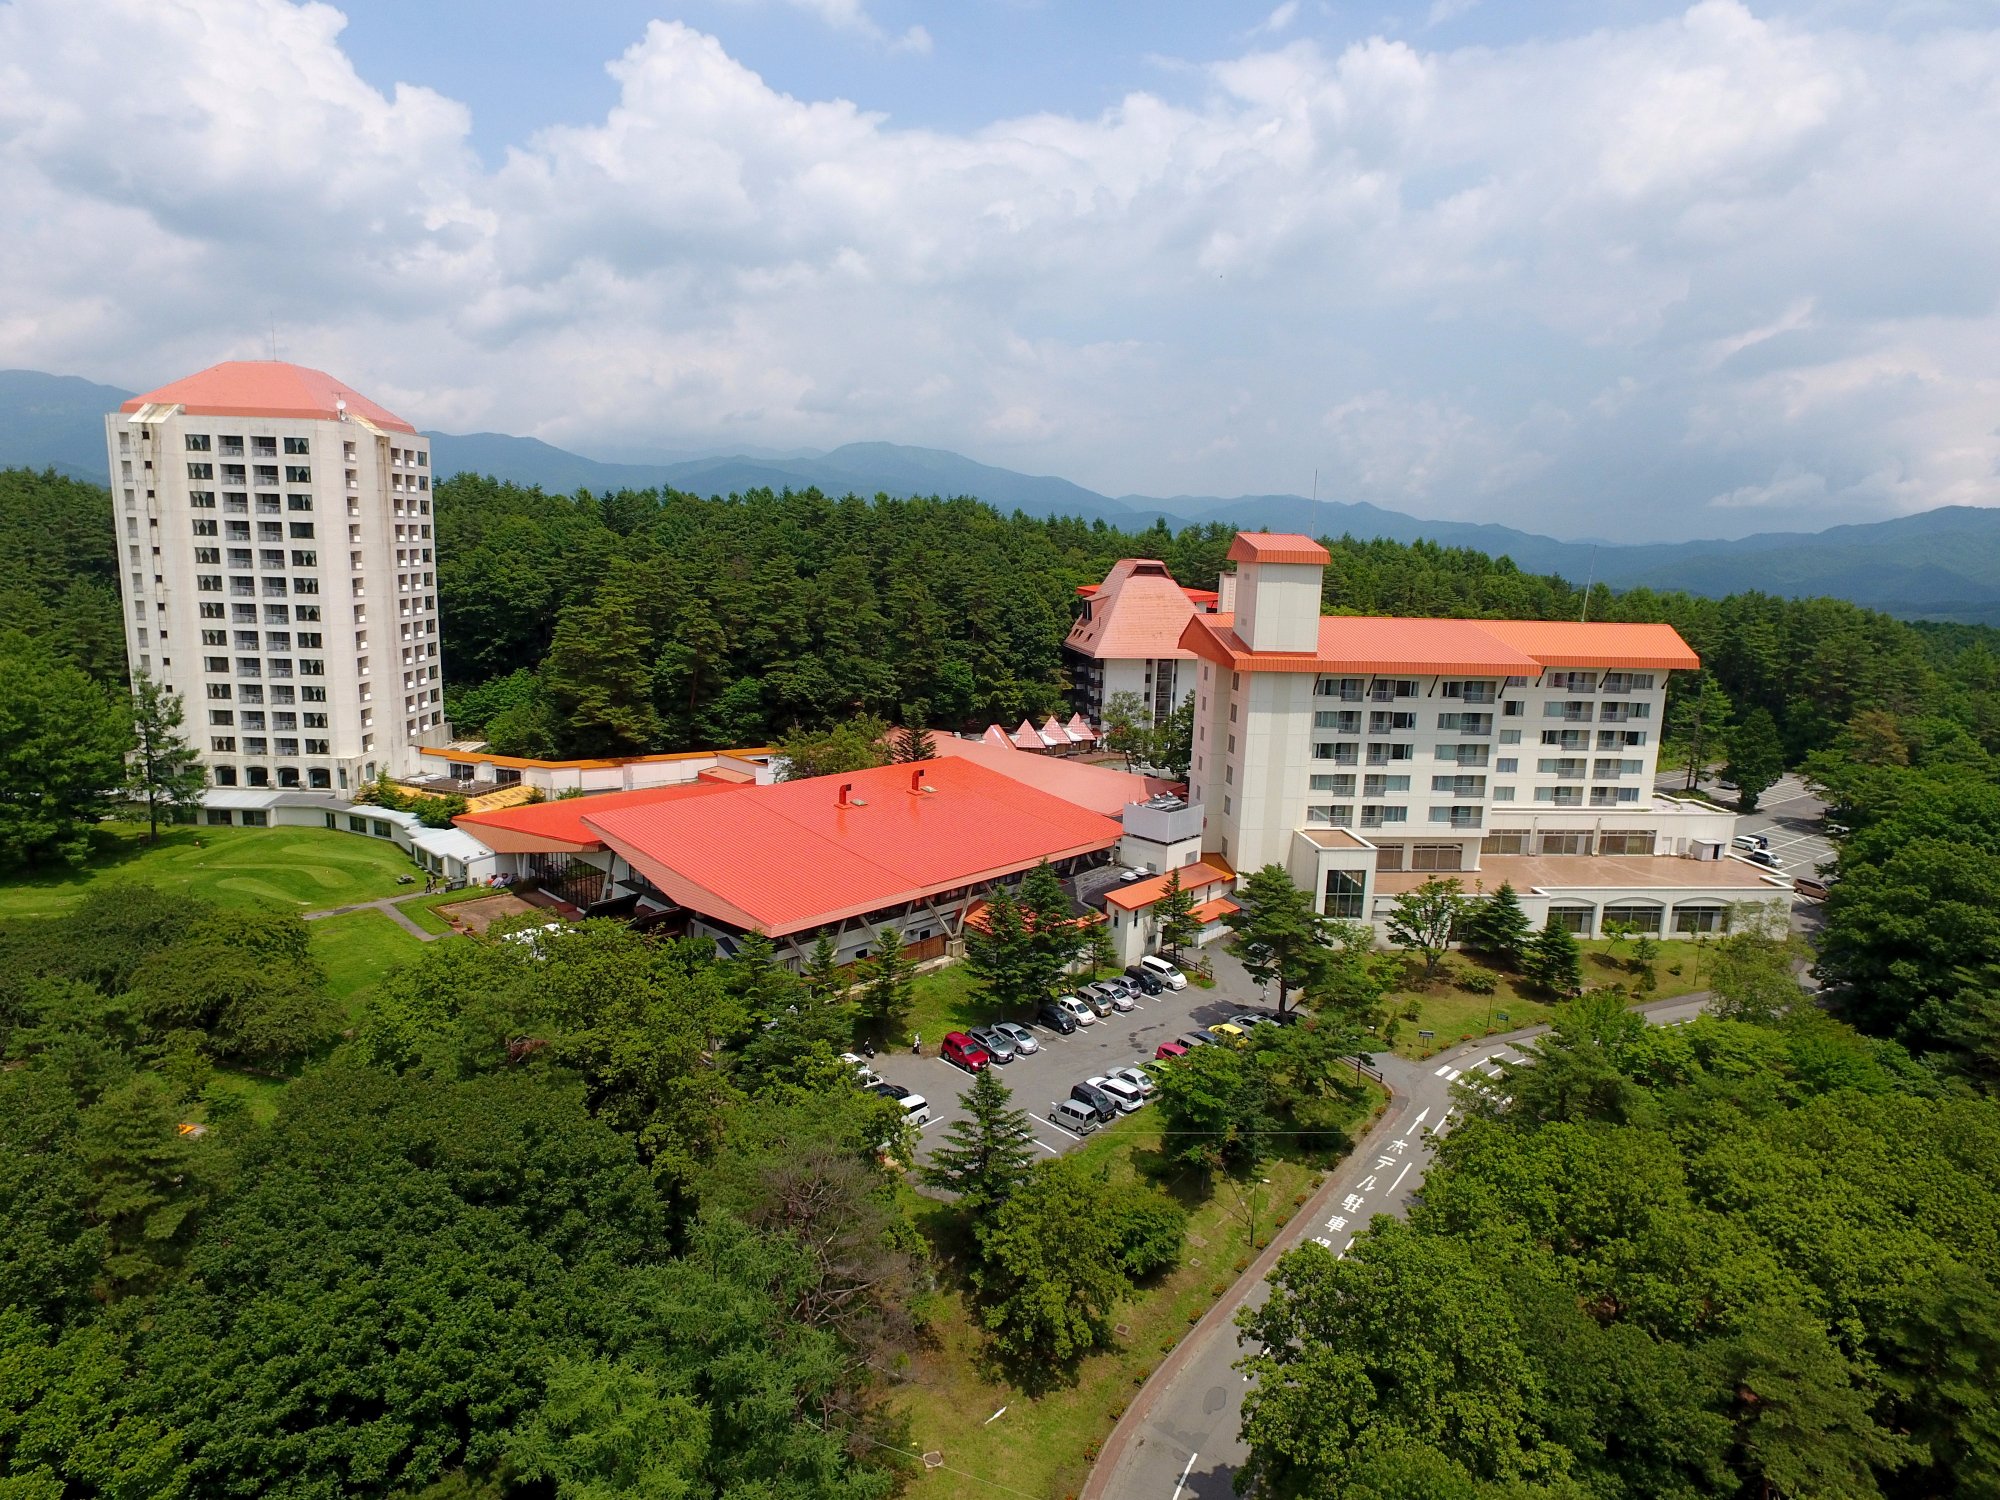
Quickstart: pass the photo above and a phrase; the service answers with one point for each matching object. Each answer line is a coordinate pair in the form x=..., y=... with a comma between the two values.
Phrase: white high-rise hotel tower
x=279, y=572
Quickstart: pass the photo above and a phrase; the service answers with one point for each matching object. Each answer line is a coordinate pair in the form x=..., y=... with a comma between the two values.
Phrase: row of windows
x=246, y=588
x=253, y=692
x=225, y=744
x=246, y=614
x=260, y=447
x=237, y=503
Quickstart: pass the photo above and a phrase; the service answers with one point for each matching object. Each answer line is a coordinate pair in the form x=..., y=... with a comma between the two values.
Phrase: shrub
x=1410, y=1011
x=1478, y=981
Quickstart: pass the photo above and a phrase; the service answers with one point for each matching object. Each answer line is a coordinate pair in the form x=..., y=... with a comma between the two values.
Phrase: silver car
x=999, y=1046
x=1022, y=1038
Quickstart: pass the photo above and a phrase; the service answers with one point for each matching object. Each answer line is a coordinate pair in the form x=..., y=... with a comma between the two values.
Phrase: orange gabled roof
x=1611, y=644
x=789, y=857
x=1138, y=611
x=1205, y=872
x=1216, y=910
x=1367, y=644
x=266, y=388
x=1277, y=547
x=558, y=827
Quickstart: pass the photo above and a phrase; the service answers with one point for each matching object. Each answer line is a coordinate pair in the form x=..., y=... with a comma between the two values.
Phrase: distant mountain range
x=1940, y=564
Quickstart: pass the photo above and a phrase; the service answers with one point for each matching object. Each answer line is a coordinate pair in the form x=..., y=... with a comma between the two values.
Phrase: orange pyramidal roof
x=267, y=388
x=1277, y=547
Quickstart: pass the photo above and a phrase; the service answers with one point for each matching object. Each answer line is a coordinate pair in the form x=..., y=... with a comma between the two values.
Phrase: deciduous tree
x=1424, y=920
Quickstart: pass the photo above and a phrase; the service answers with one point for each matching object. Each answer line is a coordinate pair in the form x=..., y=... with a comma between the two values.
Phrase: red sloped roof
x=266, y=388
x=1215, y=911
x=1194, y=877
x=558, y=826
x=1277, y=547
x=788, y=857
x=1101, y=789
x=1138, y=611
x=1609, y=644
x=1425, y=647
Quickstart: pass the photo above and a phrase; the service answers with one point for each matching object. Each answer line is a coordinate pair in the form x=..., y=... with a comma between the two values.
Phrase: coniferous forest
x=614, y=1220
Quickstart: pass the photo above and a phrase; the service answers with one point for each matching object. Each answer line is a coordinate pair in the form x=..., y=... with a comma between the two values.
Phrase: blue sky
x=1622, y=269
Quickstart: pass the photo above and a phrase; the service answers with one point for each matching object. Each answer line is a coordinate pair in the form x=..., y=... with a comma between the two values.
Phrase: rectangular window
x=1503, y=794
x=1437, y=856
x=1376, y=817
x=1507, y=765
x=298, y=502
x=1513, y=708
x=1576, y=711
x=1510, y=736
x=201, y=471
x=1564, y=841
x=1560, y=796
x=1693, y=919
x=1380, y=786
x=1343, y=895
x=1346, y=689
x=1625, y=841
x=1330, y=815
x=298, y=445
x=1340, y=753
x=222, y=743
x=1381, y=723
x=1340, y=786
x=197, y=442
x=1341, y=721
x=298, y=474
x=1505, y=841
x=1639, y=918
x=302, y=531
x=304, y=559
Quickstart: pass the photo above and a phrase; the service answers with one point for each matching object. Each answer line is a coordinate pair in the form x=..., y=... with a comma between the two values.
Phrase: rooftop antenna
x=1312, y=516
x=274, y=340
x=1591, y=578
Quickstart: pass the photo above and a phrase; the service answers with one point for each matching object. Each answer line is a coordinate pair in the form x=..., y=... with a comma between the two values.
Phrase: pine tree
x=164, y=769
x=824, y=981
x=1699, y=723
x=1756, y=757
x=1000, y=954
x=1498, y=927
x=1101, y=951
x=887, y=984
x=913, y=740
x=1555, y=959
x=1174, y=914
x=1055, y=939
x=1278, y=934
x=985, y=1155
x=599, y=679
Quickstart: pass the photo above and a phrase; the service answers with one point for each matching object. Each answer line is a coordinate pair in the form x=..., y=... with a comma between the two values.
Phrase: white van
x=916, y=1109
x=1163, y=971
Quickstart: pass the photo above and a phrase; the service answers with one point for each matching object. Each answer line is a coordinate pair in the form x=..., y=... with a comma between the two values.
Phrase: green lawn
x=301, y=869
x=423, y=910
x=1454, y=1014
x=357, y=950
x=1044, y=1444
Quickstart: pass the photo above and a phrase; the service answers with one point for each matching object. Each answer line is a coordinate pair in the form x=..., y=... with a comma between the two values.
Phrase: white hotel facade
x=278, y=569
x=1366, y=755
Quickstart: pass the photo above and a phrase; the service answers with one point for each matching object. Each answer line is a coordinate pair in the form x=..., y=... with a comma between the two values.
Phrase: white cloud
x=1590, y=284
x=1280, y=19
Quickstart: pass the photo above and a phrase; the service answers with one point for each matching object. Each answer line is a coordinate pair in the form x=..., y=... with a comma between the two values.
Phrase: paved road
x=1047, y=1075
x=1180, y=1438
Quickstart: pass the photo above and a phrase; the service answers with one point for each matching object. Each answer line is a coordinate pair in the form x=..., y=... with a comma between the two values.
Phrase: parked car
x=889, y=1090
x=1167, y=1050
x=1139, y=1078
x=1119, y=993
x=1127, y=1096
x=999, y=1046
x=1149, y=983
x=1077, y=1119
x=1751, y=841
x=1022, y=1038
x=1226, y=1031
x=866, y=1074
x=1193, y=1039
x=1247, y=1019
x=1765, y=858
x=1099, y=1002
x=1097, y=1099
x=916, y=1109
x=1810, y=886
x=1163, y=971
x=1085, y=1016
x=1055, y=1018
x=961, y=1051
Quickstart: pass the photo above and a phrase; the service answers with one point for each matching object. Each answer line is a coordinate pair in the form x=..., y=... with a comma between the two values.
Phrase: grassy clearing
x=1454, y=1014
x=1044, y=1444
x=260, y=1096
x=357, y=950
x=423, y=910
x=300, y=869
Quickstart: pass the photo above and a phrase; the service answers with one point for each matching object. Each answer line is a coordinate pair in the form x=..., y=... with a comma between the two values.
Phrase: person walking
x=916, y=1044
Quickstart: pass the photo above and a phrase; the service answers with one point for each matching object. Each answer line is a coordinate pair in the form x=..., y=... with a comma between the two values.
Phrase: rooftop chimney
x=845, y=788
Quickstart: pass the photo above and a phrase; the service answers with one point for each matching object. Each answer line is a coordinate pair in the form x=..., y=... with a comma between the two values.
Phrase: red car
x=1170, y=1049
x=962, y=1050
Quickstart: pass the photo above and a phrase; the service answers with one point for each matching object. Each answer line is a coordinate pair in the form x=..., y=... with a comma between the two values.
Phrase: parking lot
x=1123, y=1038
x=1792, y=818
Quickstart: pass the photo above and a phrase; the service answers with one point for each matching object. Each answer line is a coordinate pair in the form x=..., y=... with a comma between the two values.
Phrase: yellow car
x=1235, y=1036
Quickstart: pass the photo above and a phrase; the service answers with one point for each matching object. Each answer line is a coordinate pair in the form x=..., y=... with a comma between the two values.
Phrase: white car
x=1082, y=1014
x=1163, y=971
x=1128, y=1096
x=866, y=1074
x=916, y=1109
x=1134, y=1076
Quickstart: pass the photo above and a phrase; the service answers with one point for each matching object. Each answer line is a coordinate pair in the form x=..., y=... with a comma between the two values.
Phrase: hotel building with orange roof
x=1366, y=755
x=278, y=570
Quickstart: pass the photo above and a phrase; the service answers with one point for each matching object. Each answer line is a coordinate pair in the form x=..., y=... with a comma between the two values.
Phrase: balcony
x=1569, y=713
x=1625, y=713
x=1478, y=692
x=1458, y=817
